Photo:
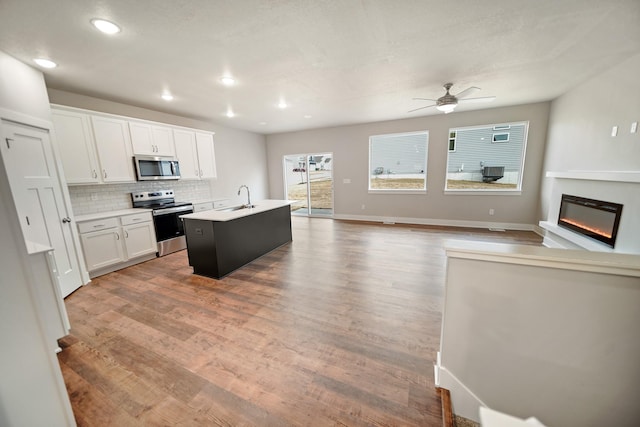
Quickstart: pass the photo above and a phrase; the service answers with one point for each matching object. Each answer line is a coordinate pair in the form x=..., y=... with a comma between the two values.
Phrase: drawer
x=136, y=218
x=199, y=207
x=219, y=204
x=98, y=224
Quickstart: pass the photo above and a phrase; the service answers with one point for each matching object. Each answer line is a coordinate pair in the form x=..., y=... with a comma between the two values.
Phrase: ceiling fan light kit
x=448, y=102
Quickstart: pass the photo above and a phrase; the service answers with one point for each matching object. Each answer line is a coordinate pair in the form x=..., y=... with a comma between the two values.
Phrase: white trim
x=463, y=401
x=563, y=259
x=481, y=192
x=398, y=191
x=439, y=222
x=14, y=116
x=616, y=176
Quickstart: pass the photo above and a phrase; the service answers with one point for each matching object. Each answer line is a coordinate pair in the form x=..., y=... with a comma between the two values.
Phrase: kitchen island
x=221, y=241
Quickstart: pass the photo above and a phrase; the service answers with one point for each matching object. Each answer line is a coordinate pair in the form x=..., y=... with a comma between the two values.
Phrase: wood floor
x=339, y=327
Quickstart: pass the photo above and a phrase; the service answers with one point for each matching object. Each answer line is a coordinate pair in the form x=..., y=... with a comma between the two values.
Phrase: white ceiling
x=339, y=61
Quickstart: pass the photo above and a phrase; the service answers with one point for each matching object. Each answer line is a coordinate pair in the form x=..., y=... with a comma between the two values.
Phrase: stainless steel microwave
x=152, y=168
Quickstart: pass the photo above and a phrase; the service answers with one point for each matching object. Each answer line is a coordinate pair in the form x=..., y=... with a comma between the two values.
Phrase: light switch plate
x=614, y=131
x=634, y=127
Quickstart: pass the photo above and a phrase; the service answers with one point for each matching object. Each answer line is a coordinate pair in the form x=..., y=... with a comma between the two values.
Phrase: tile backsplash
x=88, y=199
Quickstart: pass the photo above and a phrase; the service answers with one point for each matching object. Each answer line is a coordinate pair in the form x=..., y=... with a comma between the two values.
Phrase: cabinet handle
x=98, y=226
x=8, y=144
x=28, y=223
x=95, y=174
x=126, y=234
x=104, y=173
x=201, y=173
x=117, y=236
x=66, y=220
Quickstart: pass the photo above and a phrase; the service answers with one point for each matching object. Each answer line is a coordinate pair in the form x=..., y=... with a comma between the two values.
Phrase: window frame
x=405, y=190
x=493, y=137
x=453, y=139
x=503, y=191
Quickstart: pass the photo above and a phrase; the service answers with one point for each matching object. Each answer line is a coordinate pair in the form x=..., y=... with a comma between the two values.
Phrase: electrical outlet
x=491, y=211
x=362, y=207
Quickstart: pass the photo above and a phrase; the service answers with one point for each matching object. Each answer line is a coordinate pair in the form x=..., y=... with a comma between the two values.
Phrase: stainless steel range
x=166, y=218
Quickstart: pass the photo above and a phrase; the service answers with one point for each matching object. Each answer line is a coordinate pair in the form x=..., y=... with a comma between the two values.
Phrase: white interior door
x=37, y=193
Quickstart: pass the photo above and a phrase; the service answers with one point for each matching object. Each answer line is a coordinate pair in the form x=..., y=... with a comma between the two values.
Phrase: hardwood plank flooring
x=339, y=327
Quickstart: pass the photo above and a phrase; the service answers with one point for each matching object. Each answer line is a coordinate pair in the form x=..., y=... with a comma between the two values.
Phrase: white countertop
x=221, y=215
x=110, y=214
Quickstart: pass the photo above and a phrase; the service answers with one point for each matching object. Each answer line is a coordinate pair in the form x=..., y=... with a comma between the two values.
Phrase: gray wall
x=580, y=125
x=350, y=145
x=240, y=155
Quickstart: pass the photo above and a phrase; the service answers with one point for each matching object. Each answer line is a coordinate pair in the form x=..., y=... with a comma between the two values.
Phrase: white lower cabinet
x=139, y=236
x=110, y=242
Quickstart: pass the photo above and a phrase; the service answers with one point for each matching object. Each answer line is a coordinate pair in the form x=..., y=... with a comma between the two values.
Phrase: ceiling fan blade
x=467, y=92
x=424, y=99
x=471, y=100
x=421, y=108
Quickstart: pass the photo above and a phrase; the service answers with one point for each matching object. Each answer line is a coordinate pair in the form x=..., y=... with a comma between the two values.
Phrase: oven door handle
x=181, y=209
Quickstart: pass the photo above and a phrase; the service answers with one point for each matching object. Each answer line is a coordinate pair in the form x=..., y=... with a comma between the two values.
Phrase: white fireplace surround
x=610, y=186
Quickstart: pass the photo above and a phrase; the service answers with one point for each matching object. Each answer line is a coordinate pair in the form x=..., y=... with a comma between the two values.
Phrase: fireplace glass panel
x=592, y=218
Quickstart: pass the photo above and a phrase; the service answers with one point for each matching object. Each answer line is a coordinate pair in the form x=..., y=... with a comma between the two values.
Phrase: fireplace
x=591, y=218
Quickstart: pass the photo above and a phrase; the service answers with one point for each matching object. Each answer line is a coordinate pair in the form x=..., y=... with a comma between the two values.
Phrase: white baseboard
x=438, y=222
x=463, y=401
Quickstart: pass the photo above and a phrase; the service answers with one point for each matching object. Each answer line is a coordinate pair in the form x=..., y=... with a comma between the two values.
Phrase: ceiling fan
x=448, y=102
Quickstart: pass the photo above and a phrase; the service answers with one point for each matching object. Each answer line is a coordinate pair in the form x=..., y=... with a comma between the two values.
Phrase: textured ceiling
x=341, y=62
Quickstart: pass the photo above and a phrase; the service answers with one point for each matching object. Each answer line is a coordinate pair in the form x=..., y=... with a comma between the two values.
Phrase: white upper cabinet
x=76, y=146
x=98, y=148
x=151, y=139
x=195, y=153
x=114, y=149
x=206, y=155
x=187, y=154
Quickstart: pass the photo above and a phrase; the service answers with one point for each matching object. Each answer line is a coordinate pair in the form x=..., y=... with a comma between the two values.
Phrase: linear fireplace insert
x=591, y=218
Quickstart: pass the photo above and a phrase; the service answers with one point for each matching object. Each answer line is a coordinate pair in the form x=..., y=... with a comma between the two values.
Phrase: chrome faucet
x=248, y=205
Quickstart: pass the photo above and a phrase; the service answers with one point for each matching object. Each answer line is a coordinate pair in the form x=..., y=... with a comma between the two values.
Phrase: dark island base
x=216, y=248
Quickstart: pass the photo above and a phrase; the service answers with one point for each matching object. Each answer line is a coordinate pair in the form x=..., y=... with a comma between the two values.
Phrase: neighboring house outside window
x=452, y=141
x=398, y=162
x=487, y=158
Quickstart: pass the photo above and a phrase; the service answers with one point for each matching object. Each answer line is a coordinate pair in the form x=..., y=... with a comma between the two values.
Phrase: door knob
x=65, y=220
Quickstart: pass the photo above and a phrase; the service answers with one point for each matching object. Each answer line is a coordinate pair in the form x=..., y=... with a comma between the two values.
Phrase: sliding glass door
x=308, y=178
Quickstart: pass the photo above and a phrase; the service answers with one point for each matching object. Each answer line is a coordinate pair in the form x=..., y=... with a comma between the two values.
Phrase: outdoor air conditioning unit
x=492, y=173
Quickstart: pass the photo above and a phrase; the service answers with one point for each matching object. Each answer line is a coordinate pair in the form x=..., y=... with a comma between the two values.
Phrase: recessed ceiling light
x=262, y=123
x=230, y=113
x=167, y=96
x=307, y=116
x=45, y=63
x=106, y=27
x=282, y=105
x=227, y=80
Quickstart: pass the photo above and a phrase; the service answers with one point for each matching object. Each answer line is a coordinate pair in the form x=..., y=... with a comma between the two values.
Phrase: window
x=501, y=137
x=452, y=141
x=487, y=158
x=398, y=162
